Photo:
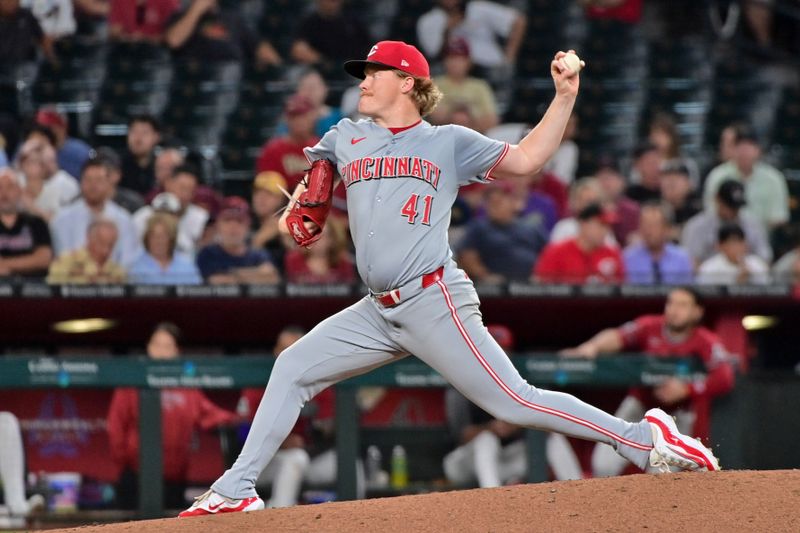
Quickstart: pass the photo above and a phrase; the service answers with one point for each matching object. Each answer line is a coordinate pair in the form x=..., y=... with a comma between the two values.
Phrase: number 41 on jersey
x=410, y=209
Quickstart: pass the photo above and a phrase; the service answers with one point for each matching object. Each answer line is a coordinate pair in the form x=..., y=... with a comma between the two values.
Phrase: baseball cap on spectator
x=235, y=208
x=392, y=54
x=730, y=231
x=597, y=211
x=50, y=117
x=457, y=47
x=502, y=186
x=731, y=193
x=296, y=105
x=503, y=336
x=270, y=181
x=745, y=133
x=166, y=202
x=209, y=200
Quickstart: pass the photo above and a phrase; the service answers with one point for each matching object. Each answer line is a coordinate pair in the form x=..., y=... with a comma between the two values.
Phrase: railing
x=149, y=376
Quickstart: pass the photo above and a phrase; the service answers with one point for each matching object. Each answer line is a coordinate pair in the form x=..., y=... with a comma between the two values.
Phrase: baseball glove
x=313, y=205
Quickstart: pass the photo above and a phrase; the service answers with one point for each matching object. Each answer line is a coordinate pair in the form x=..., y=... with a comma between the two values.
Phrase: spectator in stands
x=160, y=263
x=759, y=20
x=327, y=261
x=181, y=186
x=585, y=258
x=138, y=173
x=129, y=200
x=584, y=192
x=678, y=193
x=733, y=265
x=72, y=152
x=655, y=260
x=167, y=160
x=664, y=135
x=55, y=17
x=315, y=44
x=764, y=185
x=268, y=199
x=312, y=85
x=285, y=154
x=12, y=476
x=501, y=246
x=461, y=89
x=700, y=233
x=676, y=333
x=231, y=259
x=564, y=162
x=69, y=226
x=140, y=20
x=539, y=209
x=207, y=32
x=91, y=264
x=183, y=411
x=24, y=238
x=308, y=454
x=47, y=188
x=21, y=37
x=727, y=142
x=483, y=24
x=645, y=176
x=612, y=185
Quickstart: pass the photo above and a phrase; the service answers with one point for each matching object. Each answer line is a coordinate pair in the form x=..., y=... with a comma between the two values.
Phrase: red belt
x=392, y=297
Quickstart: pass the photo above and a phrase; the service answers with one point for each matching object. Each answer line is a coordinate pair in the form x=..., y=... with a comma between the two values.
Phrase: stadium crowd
x=76, y=213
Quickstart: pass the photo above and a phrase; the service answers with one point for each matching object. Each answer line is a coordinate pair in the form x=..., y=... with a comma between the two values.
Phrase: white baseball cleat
x=212, y=503
x=671, y=448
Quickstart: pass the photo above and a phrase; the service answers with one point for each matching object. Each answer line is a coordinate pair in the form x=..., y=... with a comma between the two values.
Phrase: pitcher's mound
x=696, y=502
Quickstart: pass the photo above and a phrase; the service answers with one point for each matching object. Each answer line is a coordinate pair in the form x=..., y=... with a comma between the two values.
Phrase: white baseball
x=573, y=62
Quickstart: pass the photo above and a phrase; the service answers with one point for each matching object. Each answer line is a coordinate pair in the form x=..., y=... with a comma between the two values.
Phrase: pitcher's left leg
x=445, y=330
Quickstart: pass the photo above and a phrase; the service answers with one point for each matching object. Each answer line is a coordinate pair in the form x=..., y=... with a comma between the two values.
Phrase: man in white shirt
x=764, y=185
x=69, y=226
x=483, y=24
x=192, y=219
x=732, y=265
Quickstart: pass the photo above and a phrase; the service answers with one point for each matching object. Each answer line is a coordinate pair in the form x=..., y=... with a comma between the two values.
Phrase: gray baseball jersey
x=400, y=188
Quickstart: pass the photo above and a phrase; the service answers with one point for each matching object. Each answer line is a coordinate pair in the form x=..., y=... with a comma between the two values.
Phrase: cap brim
x=355, y=67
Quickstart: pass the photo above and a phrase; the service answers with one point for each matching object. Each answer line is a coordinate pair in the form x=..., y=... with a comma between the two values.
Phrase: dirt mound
x=717, y=501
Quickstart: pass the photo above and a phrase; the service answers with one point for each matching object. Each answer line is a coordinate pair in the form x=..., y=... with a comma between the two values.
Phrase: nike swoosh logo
x=215, y=507
x=356, y=141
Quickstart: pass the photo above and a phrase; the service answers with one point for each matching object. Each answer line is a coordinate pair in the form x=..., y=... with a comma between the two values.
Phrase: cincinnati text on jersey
x=373, y=168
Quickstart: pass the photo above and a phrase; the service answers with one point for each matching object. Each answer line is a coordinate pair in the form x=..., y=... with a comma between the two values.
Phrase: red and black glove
x=313, y=205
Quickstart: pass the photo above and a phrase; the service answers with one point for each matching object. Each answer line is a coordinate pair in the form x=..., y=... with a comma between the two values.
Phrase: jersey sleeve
x=476, y=155
x=718, y=361
x=634, y=333
x=325, y=148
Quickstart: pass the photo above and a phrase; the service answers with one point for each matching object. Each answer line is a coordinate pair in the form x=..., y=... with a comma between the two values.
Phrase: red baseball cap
x=50, y=117
x=392, y=54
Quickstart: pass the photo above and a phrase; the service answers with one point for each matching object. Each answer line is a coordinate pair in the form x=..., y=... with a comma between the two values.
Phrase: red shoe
x=212, y=503
x=671, y=448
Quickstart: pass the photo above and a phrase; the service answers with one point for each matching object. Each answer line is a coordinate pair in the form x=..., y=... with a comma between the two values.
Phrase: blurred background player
x=183, y=411
x=675, y=333
x=12, y=474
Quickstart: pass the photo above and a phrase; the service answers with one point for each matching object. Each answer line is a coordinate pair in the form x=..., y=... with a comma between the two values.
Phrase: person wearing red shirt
x=138, y=20
x=676, y=333
x=182, y=412
x=285, y=154
x=585, y=258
